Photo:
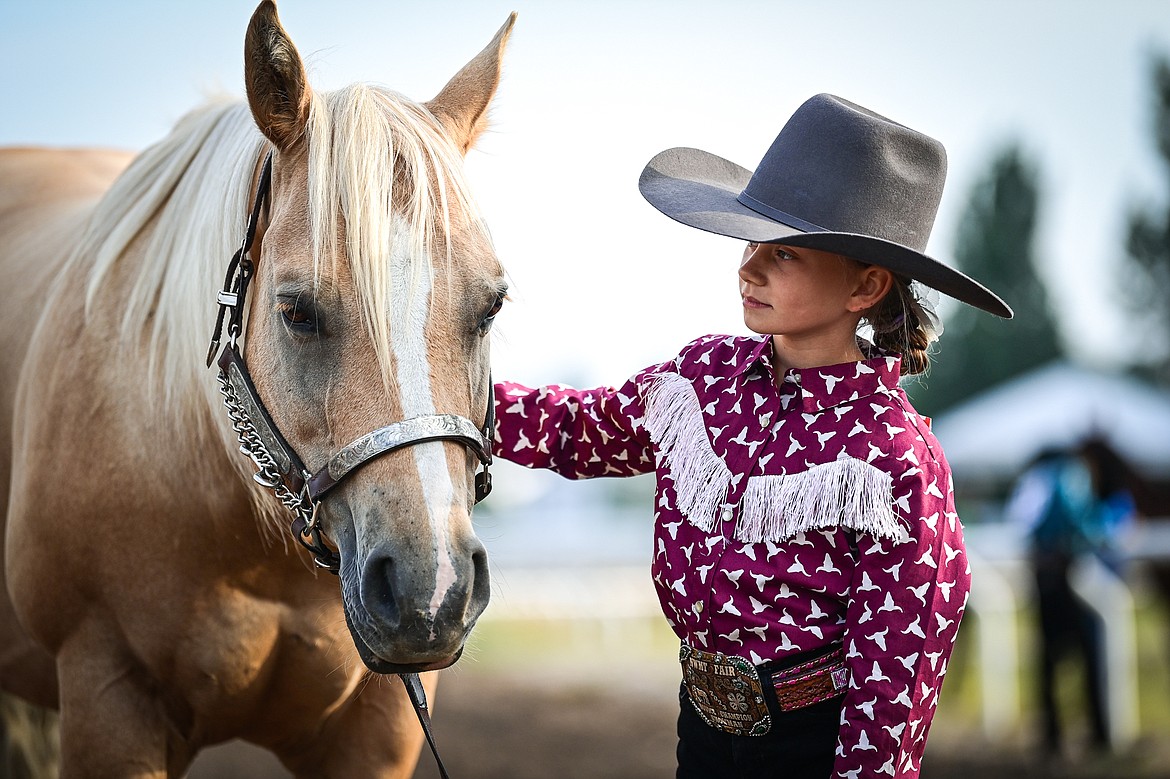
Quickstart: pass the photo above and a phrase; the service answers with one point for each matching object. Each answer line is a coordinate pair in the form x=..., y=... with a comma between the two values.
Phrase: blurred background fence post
x=996, y=609
x=1107, y=595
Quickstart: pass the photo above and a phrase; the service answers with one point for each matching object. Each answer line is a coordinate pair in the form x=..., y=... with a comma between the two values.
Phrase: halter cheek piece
x=279, y=467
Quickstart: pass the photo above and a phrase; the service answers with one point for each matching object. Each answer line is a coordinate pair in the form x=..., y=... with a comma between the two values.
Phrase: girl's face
x=800, y=294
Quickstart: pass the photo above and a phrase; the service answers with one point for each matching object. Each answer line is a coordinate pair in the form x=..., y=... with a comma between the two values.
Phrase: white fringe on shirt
x=848, y=492
x=675, y=423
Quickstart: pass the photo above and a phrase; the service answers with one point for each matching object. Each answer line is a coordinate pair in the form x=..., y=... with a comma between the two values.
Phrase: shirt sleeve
x=908, y=596
x=579, y=434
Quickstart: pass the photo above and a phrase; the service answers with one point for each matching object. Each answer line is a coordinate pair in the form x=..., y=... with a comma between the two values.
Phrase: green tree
x=995, y=244
x=1145, y=280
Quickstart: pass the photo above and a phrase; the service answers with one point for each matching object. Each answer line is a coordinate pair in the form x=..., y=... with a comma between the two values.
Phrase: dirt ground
x=496, y=726
x=493, y=726
x=599, y=701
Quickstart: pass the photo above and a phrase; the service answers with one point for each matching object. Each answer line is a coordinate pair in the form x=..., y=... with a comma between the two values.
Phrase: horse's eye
x=485, y=324
x=300, y=317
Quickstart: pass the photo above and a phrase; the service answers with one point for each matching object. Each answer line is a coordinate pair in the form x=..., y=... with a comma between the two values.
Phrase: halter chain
x=269, y=475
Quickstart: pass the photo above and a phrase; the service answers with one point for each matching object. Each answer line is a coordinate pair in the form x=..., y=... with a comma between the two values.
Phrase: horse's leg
x=114, y=722
x=375, y=734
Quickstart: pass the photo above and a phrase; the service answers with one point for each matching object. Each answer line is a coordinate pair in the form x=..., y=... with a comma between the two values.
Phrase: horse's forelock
x=383, y=174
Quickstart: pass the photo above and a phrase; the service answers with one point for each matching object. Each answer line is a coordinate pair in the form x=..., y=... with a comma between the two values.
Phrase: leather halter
x=280, y=469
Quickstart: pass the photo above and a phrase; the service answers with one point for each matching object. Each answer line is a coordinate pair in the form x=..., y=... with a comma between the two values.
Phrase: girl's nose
x=750, y=268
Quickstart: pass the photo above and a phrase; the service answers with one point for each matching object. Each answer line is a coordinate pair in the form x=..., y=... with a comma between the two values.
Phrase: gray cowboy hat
x=838, y=178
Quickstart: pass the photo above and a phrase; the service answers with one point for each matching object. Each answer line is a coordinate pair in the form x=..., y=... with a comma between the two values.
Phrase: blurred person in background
x=1071, y=504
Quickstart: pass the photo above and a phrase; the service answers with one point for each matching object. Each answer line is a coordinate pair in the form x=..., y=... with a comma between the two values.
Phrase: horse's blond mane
x=382, y=151
x=182, y=203
x=370, y=151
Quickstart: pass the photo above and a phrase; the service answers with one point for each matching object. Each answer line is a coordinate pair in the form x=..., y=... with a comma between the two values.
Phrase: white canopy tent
x=990, y=438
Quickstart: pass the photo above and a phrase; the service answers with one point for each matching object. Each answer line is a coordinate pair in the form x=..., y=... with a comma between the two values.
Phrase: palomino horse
x=154, y=595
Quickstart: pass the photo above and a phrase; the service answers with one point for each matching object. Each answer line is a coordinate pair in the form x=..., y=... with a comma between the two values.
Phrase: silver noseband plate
x=408, y=431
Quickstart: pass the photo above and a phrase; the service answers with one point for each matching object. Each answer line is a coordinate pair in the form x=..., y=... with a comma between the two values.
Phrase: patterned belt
x=727, y=691
x=817, y=680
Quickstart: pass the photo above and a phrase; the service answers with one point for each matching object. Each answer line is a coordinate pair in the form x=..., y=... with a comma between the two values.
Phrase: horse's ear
x=278, y=90
x=462, y=105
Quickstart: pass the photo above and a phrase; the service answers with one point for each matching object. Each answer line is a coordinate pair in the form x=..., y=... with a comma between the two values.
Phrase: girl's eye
x=781, y=254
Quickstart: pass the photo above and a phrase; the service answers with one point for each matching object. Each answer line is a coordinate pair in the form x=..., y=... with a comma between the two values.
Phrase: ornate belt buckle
x=725, y=691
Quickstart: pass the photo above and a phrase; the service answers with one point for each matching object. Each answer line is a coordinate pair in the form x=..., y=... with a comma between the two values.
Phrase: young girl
x=807, y=551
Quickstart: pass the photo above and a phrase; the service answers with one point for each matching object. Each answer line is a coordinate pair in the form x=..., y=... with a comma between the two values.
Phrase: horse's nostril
x=481, y=588
x=379, y=594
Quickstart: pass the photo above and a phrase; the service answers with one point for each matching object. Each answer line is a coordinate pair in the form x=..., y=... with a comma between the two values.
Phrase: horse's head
x=375, y=286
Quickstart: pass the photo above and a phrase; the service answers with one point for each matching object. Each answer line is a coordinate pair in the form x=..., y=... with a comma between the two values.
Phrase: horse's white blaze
x=410, y=309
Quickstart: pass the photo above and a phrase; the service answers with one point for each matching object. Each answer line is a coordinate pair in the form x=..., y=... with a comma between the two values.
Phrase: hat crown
x=839, y=167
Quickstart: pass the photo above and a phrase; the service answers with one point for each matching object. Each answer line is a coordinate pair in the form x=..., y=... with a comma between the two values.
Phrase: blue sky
x=602, y=283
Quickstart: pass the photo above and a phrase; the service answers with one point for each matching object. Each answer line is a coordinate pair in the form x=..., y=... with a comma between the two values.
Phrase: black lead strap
x=240, y=269
x=418, y=699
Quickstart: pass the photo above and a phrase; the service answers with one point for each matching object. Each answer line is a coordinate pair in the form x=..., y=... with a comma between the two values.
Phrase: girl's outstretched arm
x=579, y=434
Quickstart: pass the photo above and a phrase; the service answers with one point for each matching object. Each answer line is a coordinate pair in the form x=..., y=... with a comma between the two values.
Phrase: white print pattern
x=795, y=529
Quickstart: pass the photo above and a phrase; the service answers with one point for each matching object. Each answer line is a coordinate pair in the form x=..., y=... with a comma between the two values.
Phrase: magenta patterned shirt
x=790, y=516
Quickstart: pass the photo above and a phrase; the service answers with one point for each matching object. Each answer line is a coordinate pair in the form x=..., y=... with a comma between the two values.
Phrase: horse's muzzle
x=381, y=666
x=400, y=620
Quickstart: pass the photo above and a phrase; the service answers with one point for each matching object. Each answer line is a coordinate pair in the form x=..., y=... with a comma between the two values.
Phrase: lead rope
x=418, y=698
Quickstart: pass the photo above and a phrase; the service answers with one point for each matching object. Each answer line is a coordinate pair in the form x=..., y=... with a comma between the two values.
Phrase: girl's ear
x=873, y=283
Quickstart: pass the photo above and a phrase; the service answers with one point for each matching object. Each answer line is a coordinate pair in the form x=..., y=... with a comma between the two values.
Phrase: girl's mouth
x=750, y=302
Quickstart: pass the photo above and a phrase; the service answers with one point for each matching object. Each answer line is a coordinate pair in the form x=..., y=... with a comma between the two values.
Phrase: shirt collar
x=830, y=385
x=759, y=356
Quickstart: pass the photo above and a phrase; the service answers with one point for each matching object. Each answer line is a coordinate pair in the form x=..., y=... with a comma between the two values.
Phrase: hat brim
x=701, y=190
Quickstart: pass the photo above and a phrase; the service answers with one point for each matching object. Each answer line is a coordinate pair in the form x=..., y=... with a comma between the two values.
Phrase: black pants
x=800, y=745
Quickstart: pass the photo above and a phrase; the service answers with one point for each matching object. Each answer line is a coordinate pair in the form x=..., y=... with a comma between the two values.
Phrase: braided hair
x=902, y=325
